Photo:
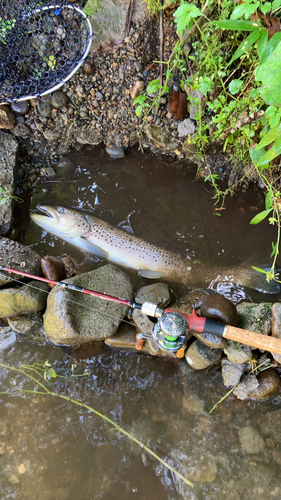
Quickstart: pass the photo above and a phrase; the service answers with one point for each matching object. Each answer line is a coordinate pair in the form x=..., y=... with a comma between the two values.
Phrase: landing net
x=41, y=47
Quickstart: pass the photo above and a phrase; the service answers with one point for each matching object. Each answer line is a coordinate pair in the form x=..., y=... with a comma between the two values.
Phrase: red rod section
x=70, y=287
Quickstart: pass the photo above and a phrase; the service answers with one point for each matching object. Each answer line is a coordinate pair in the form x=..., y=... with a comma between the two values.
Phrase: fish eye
x=60, y=210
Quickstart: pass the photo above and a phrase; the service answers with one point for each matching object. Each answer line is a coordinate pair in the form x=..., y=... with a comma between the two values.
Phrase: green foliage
x=6, y=195
x=184, y=16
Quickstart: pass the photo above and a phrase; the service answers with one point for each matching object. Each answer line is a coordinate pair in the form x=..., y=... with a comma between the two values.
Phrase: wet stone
x=251, y=441
x=211, y=341
x=115, y=151
x=44, y=108
x=255, y=317
x=64, y=164
x=26, y=299
x=219, y=308
x=248, y=384
x=18, y=257
x=88, y=68
x=58, y=99
x=53, y=269
x=238, y=353
x=156, y=135
x=71, y=267
x=25, y=323
x=20, y=107
x=137, y=88
x=199, y=356
x=21, y=130
x=194, y=298
x=89, y=136
x=186, y=127
x=87, y=318
x=7, y=118
x=231, y=373
x=276, y=320
x=269, y=386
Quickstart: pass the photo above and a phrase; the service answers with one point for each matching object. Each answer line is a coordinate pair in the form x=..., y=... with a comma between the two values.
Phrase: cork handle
x=256, y=340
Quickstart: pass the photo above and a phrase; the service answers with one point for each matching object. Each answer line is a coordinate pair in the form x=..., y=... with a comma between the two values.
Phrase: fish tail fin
x=260, y=283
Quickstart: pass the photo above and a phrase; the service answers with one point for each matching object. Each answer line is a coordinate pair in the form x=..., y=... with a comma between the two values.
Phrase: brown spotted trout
x=116, y=245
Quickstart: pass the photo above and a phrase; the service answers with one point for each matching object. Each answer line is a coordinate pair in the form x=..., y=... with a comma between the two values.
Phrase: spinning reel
x=169, y=332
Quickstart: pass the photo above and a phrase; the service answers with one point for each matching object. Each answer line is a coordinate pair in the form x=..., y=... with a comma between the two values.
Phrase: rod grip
x=256, y=340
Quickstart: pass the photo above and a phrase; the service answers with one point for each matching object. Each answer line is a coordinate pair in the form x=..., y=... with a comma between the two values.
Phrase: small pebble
x=88, y=68
x=20, y=107
x=58, y=99
x=53, y=269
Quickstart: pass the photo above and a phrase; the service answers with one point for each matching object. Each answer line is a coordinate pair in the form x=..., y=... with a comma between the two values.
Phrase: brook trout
x=116, y=245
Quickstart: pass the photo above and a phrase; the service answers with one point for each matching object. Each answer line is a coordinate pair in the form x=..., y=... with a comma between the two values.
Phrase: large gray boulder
x=109, y=17
x=8, y=150
x=73, y=318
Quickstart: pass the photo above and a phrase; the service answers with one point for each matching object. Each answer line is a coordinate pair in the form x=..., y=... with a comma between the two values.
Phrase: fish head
x=62, y=222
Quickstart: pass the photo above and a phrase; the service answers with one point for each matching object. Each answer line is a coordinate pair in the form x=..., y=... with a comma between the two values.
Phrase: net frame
x=24, y=14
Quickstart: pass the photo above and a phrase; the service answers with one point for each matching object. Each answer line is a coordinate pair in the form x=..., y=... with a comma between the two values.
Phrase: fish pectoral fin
x=146, y=273
x=92, y=248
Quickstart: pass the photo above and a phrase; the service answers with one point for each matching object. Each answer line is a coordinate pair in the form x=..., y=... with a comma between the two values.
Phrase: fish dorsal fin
x=91, y=248
x=146, y=273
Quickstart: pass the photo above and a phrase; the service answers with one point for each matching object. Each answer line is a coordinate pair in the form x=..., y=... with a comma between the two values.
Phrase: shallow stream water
x=53, y=449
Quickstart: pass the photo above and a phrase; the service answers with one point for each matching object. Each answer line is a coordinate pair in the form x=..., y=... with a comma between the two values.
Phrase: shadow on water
x=65, y=452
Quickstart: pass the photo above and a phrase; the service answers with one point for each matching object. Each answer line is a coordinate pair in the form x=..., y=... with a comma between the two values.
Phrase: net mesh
x=41, y=46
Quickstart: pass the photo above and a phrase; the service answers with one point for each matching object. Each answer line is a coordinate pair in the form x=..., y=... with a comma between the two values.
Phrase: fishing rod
x=172, y=326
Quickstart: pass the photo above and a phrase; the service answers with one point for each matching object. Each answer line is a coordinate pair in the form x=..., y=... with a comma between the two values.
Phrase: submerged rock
x=115, y=151
x=74, y=318
x=192, y=404
x=251, y=441
x=26, y=299
x=19, y=257
x=200, y=356
x=7, y=337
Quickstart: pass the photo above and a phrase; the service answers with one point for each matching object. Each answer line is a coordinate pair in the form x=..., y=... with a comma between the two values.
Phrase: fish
x=95, y=236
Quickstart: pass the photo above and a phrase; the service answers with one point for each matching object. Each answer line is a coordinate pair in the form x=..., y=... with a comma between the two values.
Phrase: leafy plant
x=5, y=195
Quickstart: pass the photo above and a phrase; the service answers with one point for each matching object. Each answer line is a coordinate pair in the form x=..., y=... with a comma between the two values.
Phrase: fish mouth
x=50, y=219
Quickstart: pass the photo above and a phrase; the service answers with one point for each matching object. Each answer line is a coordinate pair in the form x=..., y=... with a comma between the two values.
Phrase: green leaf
x=184, y=14
x=259, y=269
x=235, y=86
x=269, y=48
x=256, y=155
x=272, y=153
x=271, y=135
x=262, y=41
x=153, y=86
x=254, y=93
x=261, y=216
x=139, y=110
x=269, y=199
x=246, y=44
x=245, y=9
x=276, y=4
x=265, y=7
x=140, y=99
x=270, y=111
x=269, y=74
x=237, y=25
x=274, y=249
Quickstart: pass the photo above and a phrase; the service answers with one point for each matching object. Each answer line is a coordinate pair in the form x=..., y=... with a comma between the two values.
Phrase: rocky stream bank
x=67, y=318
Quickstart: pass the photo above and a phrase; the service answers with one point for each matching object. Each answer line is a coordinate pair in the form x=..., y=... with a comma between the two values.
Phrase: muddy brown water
x=54, y=450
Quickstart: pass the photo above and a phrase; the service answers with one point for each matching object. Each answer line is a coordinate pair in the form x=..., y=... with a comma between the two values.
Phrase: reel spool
x=169, y=333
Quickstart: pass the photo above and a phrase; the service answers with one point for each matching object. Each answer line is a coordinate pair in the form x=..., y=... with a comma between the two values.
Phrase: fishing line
x=69, y=300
